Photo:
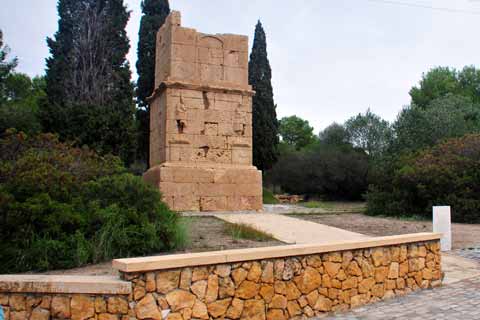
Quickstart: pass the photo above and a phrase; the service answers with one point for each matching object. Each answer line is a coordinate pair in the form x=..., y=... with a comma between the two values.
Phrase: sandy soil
x=205, y=234
x=463, y=235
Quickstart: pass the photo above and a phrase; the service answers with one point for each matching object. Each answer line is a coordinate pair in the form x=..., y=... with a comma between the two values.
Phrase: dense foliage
x=440, y=82
x=20, y=99
x=327, y=171
x=369, y=132
x=446, y=174
x=62, y=207
x=264, y=115
x=90, y=96
x=154, y=15
x=296, y=132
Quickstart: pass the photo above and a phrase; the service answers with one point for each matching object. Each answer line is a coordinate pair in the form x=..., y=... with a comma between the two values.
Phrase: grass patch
x=268, y=197
x=244, y=231
x=317, y=204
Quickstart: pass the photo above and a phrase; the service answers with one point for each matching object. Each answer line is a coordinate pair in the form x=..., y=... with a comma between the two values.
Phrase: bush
x=62, y=207
x=269, y=197
x=331, y=172
x=446, y=174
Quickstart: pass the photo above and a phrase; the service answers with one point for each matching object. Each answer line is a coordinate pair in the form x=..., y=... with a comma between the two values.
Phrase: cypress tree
x=90, y=94
x=154, y=14
x=265, y=123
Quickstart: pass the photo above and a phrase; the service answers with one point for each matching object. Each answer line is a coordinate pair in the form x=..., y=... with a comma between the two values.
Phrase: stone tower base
x=207, y=187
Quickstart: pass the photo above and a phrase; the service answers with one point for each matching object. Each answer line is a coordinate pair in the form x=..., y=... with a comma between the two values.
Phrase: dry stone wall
x=286, y=288
x=287, y=282
x=37, y=306
x=201, y=122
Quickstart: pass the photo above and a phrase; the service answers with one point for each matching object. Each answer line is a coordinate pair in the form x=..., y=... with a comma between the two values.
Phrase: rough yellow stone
x=314, y=261
x=255, y=272
x=366, y=285
x=292, y=291
x=107, y=316
x=40, y=314
x=138, y=293
x=100, y=305
x=276, y=314
x=17, y=302
x=267, y=273
x=332, y=268
x=185, y=278
x=218, y=308
x=323, y=304
x=239, y=275
x=212, y=289
x=280, y=287
x=293, y=308
x=18, y=315
x=226, y=288
x=350, y=283
x=167, y=281
x=3, y=299
x=278, y=302
x=394, y=270
x=147, y=308
x=150, y=284
x=235, y=309
x=82, y=307
x=199, y=288
x=354, y=270
x=308, y=281
x=223, y=270
x=247, y=290
x=180, y=299
x=117, y=305
x=200, y=310
x=381, y=274
x=253, y=310
x=312, y=298
x=267, y=292
x=60, y=307
x=377, y=256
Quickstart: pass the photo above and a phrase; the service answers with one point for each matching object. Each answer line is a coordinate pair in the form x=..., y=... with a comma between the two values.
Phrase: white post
x=442, y=224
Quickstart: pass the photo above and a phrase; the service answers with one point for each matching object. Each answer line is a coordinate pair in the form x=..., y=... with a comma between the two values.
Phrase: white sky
x=331, y=59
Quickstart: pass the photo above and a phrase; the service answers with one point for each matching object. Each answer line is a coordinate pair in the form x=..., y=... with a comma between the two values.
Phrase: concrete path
x=291, y=230
x=458, y=268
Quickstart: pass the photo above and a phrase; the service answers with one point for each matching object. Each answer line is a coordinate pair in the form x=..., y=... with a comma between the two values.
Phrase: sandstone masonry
x=201, y=122
x=287, y=282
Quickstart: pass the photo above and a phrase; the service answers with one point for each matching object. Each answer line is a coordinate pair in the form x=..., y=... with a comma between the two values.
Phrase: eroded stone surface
x=201, y=122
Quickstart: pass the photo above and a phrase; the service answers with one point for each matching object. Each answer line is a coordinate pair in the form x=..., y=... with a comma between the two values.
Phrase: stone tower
x=201, y=122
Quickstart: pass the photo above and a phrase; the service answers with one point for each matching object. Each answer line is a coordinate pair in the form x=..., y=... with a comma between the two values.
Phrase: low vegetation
x=245, y=231
x=269, y=197
x=63, y=207
x=446, y=174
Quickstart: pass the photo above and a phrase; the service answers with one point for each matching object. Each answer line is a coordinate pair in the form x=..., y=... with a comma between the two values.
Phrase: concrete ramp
x=291, y=230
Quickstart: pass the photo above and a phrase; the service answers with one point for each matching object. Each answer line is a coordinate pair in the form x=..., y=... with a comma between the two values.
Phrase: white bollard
x=442, y=224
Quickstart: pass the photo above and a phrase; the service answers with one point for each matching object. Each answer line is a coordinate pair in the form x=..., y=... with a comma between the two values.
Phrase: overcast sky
x=331, y=59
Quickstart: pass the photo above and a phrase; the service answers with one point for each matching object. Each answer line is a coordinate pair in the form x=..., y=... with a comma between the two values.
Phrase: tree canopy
x=296, y=132
x=264, y=116
x=154, y=15
x=90, y=96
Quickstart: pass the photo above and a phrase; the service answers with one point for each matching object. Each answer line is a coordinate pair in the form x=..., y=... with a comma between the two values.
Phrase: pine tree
x=90, y=95
x=265, y=123
x=154, y=15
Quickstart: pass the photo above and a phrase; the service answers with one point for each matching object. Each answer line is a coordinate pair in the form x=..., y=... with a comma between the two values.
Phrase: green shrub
x=446, y=174
x=268, y=197
x=327, y=171
x=62, y=207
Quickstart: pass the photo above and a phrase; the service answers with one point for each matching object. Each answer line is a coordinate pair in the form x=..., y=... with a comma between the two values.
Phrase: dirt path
x=205, y=234
x=464, y=235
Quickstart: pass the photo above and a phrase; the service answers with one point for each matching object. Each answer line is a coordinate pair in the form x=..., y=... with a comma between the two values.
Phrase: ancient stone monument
x=201, y=122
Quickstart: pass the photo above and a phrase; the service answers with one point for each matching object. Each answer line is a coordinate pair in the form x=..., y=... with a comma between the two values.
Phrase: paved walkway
x=291, y=230
x=460, y=300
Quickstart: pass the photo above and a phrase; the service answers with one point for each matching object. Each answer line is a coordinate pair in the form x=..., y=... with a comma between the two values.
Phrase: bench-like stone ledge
x=239, y=255
x=64, y=284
